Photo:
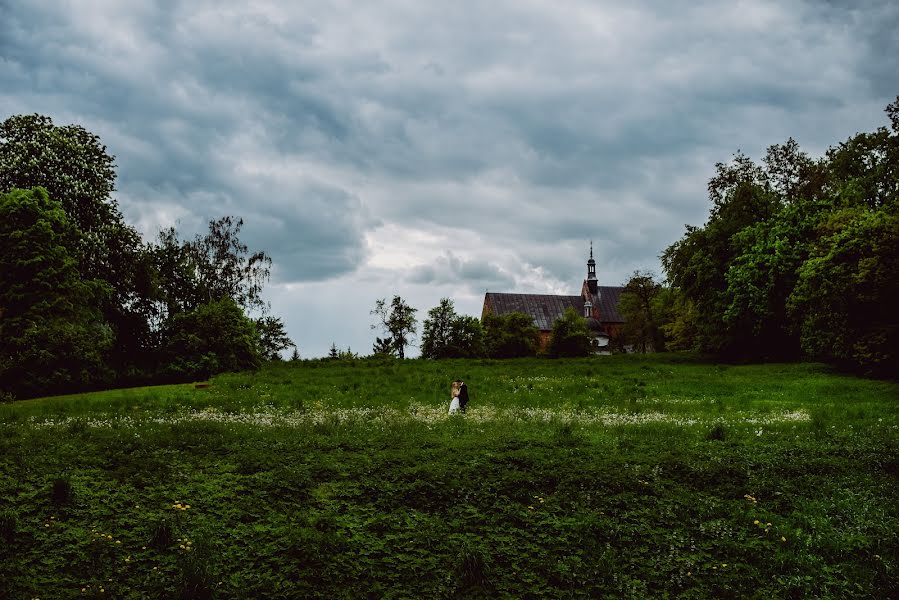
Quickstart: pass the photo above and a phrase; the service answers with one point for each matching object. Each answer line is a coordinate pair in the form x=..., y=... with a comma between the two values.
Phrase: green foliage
x=638, y=306
x=680, y=320
x=840, y=299
x=272, y=337
x=347, y=354
x=213, y=338
x=446, y=334
x=52, y=337
x=797, y=256
x=381, y=347
x=570, y=337
x=68, y=161
x=398, y=321
x=513, y=335
x=73, y=166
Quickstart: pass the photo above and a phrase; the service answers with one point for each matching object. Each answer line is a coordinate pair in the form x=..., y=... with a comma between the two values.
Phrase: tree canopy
x=570, y=336
x=511, y=335
x=446, y=334
x=398, y=321
x=798, y=257
x=85, y=302
x=52, y=335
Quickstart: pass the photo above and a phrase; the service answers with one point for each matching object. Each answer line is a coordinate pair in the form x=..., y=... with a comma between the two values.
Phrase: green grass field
x=621, y=476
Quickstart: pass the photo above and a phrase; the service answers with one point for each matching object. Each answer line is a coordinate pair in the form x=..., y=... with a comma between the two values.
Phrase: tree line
x=447, y=334
x=86, y=303
x=799, y=258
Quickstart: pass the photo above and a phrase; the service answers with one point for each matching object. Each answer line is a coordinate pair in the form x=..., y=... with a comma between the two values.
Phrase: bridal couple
x=459, y=399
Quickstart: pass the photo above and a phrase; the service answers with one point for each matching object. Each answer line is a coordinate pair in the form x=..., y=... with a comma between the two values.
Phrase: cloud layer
x=427, y=150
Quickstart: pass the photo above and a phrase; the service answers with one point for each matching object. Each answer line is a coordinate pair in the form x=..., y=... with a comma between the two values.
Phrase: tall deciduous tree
x=52, y=335
x=511, y=335
x=638, y=307
x=74, y=167
x=273, y=338
x=398, y=321
x=797, y=254
x=570, y=336
x=213, y=338
x=226, y=268
x=446, y=334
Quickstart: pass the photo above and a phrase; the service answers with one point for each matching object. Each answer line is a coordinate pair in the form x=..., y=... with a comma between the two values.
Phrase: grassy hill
x=627, y=476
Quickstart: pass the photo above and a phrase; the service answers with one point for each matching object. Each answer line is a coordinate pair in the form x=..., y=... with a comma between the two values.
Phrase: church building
x=597, y=303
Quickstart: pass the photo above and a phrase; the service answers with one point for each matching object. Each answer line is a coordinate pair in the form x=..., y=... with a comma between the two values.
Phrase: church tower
x=591, y=272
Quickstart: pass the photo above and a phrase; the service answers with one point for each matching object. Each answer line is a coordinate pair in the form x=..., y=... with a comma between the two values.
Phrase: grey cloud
x=476, y=275
x=537, y=126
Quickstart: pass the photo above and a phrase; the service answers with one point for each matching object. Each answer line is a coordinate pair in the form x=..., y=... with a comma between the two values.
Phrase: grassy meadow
x=623, y=476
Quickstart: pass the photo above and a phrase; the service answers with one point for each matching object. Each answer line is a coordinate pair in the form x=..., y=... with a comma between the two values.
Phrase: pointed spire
x=591, y=271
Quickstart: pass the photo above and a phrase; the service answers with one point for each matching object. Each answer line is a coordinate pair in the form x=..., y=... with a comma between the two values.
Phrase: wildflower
x=783, y=539
x=756, y=522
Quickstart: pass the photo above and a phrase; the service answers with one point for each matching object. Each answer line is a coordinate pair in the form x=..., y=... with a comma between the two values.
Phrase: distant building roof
x=546, y=308
x=609, y=295
x=543, y=308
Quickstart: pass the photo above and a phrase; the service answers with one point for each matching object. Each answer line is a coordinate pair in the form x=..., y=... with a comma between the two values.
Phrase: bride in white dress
x=454, y=400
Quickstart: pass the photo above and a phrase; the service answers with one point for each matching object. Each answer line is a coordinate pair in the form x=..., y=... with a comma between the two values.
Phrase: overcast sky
x=441, y=149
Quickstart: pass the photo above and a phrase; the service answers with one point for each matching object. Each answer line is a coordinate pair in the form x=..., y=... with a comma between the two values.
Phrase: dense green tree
x=333, y=353
x=466, y=338
x=74, y=167
x=69, y=162
x=213, y=338
x=446, y=334
x=398, y=321
x=844, y=299
x=570, y=336
x=510, y=336
x=638, y=307
x=437, y=329
x=797, y=256
x=216, y=265
x=53, y=337
x=273, y=338
x=678, y=319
